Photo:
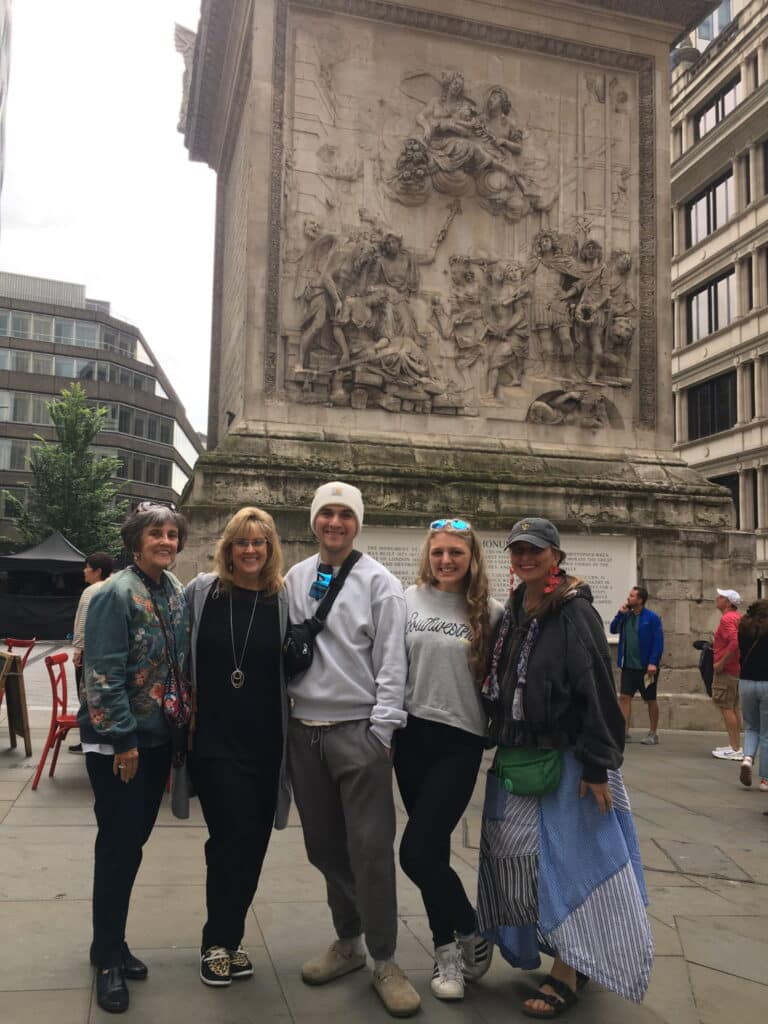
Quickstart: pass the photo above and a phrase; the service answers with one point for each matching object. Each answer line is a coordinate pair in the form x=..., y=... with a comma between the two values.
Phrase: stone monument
x=441, y=273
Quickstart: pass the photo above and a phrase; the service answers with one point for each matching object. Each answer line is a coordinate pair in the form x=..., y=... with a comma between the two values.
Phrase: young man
x=725, y=685
x=641, y=644
x=344, y=709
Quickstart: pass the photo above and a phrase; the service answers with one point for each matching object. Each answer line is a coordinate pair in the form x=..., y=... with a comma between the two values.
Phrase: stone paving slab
x=711, y=932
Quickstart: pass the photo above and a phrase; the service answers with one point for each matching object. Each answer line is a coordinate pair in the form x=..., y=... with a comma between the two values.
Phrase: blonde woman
x=450, y=617
x=239, y=617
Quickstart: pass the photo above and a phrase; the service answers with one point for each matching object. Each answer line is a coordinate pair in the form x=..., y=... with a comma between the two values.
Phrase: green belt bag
x=526, y=771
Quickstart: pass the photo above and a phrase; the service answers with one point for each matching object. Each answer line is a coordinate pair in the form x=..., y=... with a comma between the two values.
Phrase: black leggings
x=238, y=805
x=436, y=767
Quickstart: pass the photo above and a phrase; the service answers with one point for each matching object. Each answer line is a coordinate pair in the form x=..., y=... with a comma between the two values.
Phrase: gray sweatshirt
x=440, y=684
x=359, y=667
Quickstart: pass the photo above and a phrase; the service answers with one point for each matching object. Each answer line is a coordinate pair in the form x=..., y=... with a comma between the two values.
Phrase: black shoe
x=76, y=748
x=240, y=965
x=111, y=990
x=133, y=968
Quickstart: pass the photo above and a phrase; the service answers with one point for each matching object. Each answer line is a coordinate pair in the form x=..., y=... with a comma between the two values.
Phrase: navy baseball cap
x=539, y=532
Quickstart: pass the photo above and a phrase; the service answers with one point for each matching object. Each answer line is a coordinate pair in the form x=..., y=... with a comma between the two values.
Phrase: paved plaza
x=705, y=848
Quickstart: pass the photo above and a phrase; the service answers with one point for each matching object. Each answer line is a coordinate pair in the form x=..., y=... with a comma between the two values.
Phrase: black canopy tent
x=42, y=590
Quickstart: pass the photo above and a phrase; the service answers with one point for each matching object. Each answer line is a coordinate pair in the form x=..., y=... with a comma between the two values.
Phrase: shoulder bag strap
x=321, y=612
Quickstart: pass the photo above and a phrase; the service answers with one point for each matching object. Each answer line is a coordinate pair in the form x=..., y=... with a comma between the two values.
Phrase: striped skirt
x=558, y=877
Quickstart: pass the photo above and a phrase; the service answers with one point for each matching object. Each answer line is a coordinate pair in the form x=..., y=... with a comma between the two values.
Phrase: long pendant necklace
x=238, y=676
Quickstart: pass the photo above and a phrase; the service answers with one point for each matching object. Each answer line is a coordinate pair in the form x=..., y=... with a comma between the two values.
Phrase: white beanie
x=337, y=493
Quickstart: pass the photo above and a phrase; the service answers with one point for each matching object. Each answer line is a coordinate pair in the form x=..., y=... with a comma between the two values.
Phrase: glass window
x=712, y=406
x=65, y=366
x=152, y=428
x=150, y=471
x=109, y=339
x=711, y=307
x=140, y=353
x=5, y=359
x=5, y=453
x=38, y=407
x=111, y=419
x=166, y=430
x=125, y=420
x=86, y=334
x=43, y=327
x=102, y=372
x=716, y=108
x=123, y=377
x=137, y=472
x=42, y=363
x=164, y=474
x=21, y=362
x=184, y=446
x=5, y=322
x=18, y=455
x=178, y=479
x=86, y=369
x=710, y=210
x=21, y=325
x=63, y=331
x=160, y=390
x=139, y=424
x=127, y=345
x=6, y=406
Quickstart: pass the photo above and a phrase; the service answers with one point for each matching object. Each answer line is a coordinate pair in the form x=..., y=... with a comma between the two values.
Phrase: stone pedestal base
x=686, y=546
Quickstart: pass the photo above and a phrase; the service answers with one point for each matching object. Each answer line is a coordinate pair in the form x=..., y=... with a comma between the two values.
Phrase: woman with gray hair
x=133, y=712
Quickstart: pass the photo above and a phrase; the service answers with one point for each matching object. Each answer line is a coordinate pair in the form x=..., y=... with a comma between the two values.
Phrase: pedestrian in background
x=641, y=644
x=97, y=569
x=753, y=691
x=725, y=682
x=450, y=616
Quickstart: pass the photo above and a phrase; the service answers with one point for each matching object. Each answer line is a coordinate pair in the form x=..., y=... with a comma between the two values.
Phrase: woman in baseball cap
x=559, y=865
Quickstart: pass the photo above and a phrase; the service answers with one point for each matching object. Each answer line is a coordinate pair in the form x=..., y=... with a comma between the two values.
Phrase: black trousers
x=436, y=767
x=125, y=814
x=238, y=805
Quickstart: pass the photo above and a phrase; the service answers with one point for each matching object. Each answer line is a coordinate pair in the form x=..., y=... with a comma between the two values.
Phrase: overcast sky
x=98, y=188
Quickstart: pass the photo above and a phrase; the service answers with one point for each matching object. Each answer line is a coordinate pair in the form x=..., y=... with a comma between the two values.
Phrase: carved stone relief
x=459, y=237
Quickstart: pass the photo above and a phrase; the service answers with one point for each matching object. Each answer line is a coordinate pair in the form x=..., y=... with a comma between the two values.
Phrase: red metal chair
x=25, y=645
x=61, y=722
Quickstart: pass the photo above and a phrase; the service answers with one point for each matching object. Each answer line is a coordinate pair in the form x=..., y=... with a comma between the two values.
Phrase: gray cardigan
x=196, y=593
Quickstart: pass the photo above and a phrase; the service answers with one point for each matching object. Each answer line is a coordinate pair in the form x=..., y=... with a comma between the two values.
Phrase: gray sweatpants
x=342, y=782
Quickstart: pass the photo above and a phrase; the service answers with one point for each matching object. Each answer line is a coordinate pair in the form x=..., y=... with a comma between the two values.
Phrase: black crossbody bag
x=299, y=644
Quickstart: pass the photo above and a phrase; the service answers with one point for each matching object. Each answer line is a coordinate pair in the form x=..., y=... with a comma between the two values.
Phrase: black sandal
x=564, y=1000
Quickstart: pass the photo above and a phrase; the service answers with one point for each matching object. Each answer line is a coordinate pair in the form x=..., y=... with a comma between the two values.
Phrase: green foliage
x=72, y=489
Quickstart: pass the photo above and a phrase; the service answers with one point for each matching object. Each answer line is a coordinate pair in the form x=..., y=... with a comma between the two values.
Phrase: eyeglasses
x=452, y=524
x=323, y=581
x=242, y=544
x=147, y=506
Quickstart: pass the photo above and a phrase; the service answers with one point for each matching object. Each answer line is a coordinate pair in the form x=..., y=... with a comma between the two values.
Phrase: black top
x=246, y=724
x=754, y=658
x=570, y=696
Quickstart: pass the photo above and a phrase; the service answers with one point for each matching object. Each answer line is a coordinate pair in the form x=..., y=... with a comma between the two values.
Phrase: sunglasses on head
x=452, y=524
x=147, y=506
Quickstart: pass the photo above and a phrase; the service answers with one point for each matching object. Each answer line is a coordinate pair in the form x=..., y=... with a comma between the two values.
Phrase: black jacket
x=570, y=696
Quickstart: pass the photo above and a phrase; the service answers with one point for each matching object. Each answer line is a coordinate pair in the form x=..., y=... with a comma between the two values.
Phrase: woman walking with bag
x=753, y=691
x=560, y=868
x=437, y=755
x=237, y=765
x=132, y=720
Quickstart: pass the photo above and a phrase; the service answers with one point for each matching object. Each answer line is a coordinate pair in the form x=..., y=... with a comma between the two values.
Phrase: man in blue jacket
x=641, y=643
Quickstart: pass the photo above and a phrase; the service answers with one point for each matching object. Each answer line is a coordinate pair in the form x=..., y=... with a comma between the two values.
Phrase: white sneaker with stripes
x=476, y=954
x=447, y=980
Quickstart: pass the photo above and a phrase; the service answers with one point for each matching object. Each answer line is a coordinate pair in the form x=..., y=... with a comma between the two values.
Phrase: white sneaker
x=476, y=954
x=722, y=752
x=447, y=980
x=721, y=749
x=737, y=755
x=763, y=787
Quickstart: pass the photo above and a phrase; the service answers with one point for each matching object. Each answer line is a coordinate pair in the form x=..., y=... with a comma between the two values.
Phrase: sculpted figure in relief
x=553, y=270
x=591, y=311
x=507, y=327
x=578, y=407
x=469, y=147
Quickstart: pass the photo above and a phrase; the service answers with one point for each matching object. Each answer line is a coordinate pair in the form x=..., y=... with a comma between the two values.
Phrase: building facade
x=719, y=107
x=52, y=335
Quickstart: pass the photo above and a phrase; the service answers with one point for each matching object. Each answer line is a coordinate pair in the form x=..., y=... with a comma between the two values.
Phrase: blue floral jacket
x=126, y=662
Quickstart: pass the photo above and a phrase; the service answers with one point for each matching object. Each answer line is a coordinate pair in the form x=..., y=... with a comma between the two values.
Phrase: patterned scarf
x=490, y=689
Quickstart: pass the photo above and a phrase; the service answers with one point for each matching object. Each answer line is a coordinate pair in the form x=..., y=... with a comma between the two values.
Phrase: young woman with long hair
x=753, y=691
x=450, y=617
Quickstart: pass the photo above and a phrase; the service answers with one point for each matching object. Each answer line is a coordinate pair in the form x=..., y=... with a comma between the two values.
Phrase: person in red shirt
x=725, y=685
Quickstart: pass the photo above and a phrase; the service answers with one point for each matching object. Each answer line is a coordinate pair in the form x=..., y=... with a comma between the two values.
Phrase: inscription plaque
x=607, y=562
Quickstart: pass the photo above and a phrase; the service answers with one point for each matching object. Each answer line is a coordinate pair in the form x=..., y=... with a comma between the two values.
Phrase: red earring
x=554, y=579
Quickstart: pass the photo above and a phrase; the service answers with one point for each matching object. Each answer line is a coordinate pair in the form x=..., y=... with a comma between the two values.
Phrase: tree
x=72, y=489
